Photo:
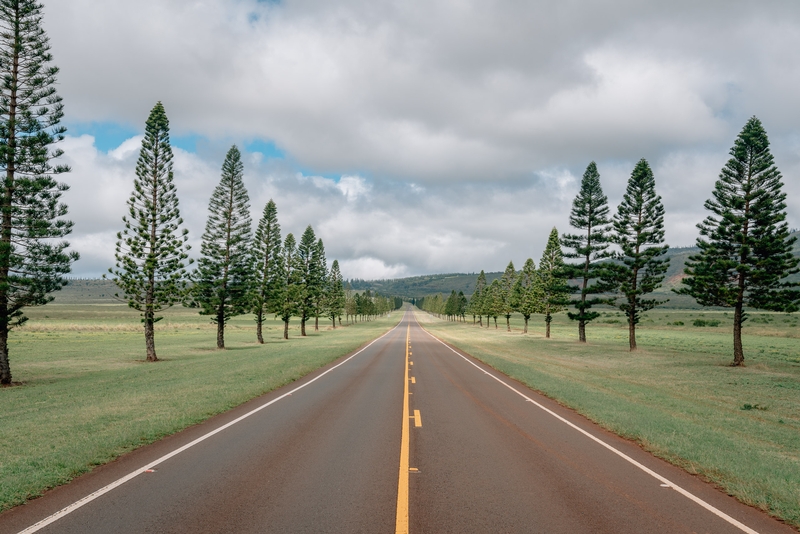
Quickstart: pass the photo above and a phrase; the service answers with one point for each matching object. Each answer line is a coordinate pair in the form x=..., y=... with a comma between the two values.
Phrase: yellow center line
x=401, y=523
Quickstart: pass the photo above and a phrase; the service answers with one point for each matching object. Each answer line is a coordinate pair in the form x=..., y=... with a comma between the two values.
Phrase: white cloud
x=459, y=130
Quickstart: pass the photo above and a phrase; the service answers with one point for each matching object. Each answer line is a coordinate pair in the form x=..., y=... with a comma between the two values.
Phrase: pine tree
x=462, y=306
x=745, y=249
x=224, y=272
x=527, y=293
x=507, y=293
x=639, y=233
x=290, y=292
x=476, y=302
x=335, y=296
x=310, y=280
x=553, y=280
x=267, y=266
x=32, y=264
x=494, y=301
x=590, y=214
x=320, y=269
x=151, y=250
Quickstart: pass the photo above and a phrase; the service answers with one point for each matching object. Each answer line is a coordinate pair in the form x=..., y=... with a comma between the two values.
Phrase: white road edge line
x=105, y=489
x=621, y=454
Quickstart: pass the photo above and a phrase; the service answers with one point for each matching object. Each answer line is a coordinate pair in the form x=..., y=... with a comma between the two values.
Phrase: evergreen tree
x=310, y=279
x=639, y=233
x=267, y=266
x=476, y=302
x=32, y=263
x=335, y=297
x=290, y=293
x=590, y=214
x=151, y=249
x=552, y=280
x=224, y=271
x=527, y=292
x=507, y=293
x=745, y=249
x=320, y=268
x=494, y=301
x=462, y=306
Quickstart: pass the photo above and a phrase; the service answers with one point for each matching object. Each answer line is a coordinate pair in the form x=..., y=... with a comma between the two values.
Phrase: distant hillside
x=431, y=284
x=423, y=286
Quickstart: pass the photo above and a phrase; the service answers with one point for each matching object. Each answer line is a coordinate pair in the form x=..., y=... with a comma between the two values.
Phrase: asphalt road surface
x=406, y=434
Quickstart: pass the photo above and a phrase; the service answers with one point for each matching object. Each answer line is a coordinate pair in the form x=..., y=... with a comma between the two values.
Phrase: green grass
x=677, y=396
x=85, y=395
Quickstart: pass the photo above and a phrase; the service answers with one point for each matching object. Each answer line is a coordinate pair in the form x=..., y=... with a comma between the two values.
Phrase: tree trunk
x=221, y=327
x=149, y=336
x=286, y=329
x=8, y=200
x=525, y=330
x=340, y=321
x=738, y=349
x=547, y=319
x=480, y=321
x=495, y=323
x=259, y=321
x=303, y=325
x=316, y=324
x=582, y=331
x=5, y=367
x=508, y=323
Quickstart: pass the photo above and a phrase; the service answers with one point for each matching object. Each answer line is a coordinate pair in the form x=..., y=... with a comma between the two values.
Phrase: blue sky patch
x=107, y=135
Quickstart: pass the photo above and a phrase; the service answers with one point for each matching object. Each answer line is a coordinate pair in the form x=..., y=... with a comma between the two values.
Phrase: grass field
x=86, y=396
x=677, y=396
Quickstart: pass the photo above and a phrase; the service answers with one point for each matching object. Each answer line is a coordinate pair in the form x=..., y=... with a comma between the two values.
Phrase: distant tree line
x=744, y=260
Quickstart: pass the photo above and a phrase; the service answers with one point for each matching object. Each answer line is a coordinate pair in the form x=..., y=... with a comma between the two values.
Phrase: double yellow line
x=401, y=524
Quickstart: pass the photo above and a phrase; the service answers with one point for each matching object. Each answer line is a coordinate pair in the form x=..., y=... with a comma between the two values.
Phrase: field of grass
x=85, y=395
x=677, y=396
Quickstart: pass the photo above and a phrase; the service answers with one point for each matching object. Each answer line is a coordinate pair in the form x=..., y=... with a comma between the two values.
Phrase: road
x=407, y=434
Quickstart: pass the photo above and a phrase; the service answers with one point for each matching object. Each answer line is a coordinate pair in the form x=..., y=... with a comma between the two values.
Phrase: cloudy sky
x=421, y=137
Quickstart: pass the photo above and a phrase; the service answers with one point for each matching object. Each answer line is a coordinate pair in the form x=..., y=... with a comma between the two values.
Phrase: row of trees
x=744, y=260
x=238, y=272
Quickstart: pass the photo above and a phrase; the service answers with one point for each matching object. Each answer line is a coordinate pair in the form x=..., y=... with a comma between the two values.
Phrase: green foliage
x=309, y=266
x=289, y=294
x=224, y=272
x=320, y=269
x=745, y=247
x=506, y=295
x=32, y=262
x=527, y=294
x=151, y=250
x=639, y=232
x=335, y=299
x=552, y=279
x=475, y=306
x=267, y=281
x=589, y=214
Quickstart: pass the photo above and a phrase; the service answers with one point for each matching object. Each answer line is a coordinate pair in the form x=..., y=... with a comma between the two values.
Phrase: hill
x=431, y=284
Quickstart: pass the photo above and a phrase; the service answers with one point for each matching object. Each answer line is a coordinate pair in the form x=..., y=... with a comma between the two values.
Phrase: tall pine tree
x=335, y=297
x=151, y=250
x=745, y=248
x=320, y=268
x=589, y=214
x=507, y=293
x=306, y=267
x=476, y=301
x=527, y=294
x=639, y=233
x=290, y=292
x=553, y=280
x=267, y=266
x=32, y=263
x=224, y=272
